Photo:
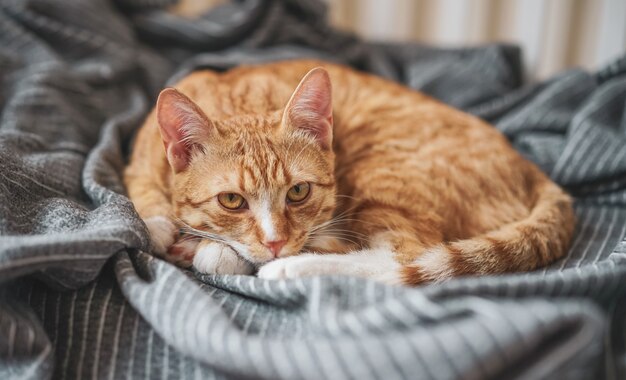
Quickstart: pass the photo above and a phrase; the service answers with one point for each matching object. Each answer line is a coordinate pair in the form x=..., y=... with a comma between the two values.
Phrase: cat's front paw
x=163, y=233
x=305, y=265
x=217, y=258
x=182, y=252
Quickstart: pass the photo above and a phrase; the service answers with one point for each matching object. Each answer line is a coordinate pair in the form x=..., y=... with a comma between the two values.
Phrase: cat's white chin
x=217, y=258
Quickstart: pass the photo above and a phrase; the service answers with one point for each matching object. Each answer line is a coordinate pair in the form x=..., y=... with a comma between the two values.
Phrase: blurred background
x=554, y=34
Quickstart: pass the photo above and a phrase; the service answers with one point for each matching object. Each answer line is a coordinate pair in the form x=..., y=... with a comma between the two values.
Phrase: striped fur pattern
x=404, y=189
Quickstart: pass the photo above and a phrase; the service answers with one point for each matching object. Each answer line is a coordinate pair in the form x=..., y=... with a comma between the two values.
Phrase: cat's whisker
x=335, y=229
x=347, y=218
x=213, y=237
x=342, y=238
x=336, y=218
x=351, y=241
x=341, y=219
x=205, y=236
x=187, y=229
x=360, y=238
x=338, y=234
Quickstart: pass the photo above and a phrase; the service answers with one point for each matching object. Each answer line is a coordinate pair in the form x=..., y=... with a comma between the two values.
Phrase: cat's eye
x=298, y=192
x=231, y=201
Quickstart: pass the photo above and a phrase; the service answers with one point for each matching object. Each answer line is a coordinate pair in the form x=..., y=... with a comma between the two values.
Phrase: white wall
x=554, y=34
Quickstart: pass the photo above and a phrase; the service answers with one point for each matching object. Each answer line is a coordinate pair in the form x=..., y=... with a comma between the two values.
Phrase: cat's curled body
x=399, y=187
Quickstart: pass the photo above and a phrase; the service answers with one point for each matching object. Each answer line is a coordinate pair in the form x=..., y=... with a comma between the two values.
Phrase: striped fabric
x=80, y=299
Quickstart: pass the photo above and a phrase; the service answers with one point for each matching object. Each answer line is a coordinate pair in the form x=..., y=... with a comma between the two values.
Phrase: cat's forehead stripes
x=260, y=166
x=261, y=175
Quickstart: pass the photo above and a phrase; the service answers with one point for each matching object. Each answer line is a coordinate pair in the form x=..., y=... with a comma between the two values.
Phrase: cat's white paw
x=217, y=258
x=375, y=264
x=182, y=252
x=163, y=233
x=305, y=265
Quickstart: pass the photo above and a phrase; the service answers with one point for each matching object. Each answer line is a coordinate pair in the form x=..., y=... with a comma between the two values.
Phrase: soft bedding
x=80, y=298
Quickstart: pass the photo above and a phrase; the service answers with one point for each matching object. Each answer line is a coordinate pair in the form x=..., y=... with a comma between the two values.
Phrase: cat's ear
x=183, y=127
x=310, y=107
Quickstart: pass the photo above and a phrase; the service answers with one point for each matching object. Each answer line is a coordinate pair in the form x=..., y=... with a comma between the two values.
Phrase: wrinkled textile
x=79, y=298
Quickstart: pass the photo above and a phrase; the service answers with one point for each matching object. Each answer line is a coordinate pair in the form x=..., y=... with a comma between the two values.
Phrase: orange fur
x=443, y=189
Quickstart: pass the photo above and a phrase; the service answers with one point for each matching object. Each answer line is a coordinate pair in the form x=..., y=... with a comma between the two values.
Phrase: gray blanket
x=79, y=298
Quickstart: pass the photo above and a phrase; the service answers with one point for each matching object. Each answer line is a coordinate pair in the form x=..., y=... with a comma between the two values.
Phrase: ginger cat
x=273, y=168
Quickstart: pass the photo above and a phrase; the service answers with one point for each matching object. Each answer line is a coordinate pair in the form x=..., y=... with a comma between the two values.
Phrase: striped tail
x=525, y=245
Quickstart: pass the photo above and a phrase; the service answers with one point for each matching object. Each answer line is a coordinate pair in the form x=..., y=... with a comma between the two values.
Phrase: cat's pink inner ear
x=183, y=126
x=310, y=107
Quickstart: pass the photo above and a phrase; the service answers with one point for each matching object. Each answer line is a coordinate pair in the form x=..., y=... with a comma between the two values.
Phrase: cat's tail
x=539, y=239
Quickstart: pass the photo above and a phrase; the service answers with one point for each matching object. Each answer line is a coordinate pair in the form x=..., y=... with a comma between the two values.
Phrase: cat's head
x=260, y=182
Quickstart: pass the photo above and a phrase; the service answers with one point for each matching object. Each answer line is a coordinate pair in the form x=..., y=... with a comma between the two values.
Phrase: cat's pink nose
x=275, y=246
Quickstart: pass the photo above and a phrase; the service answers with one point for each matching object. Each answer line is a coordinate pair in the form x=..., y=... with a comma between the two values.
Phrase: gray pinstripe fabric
x=79, y=298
